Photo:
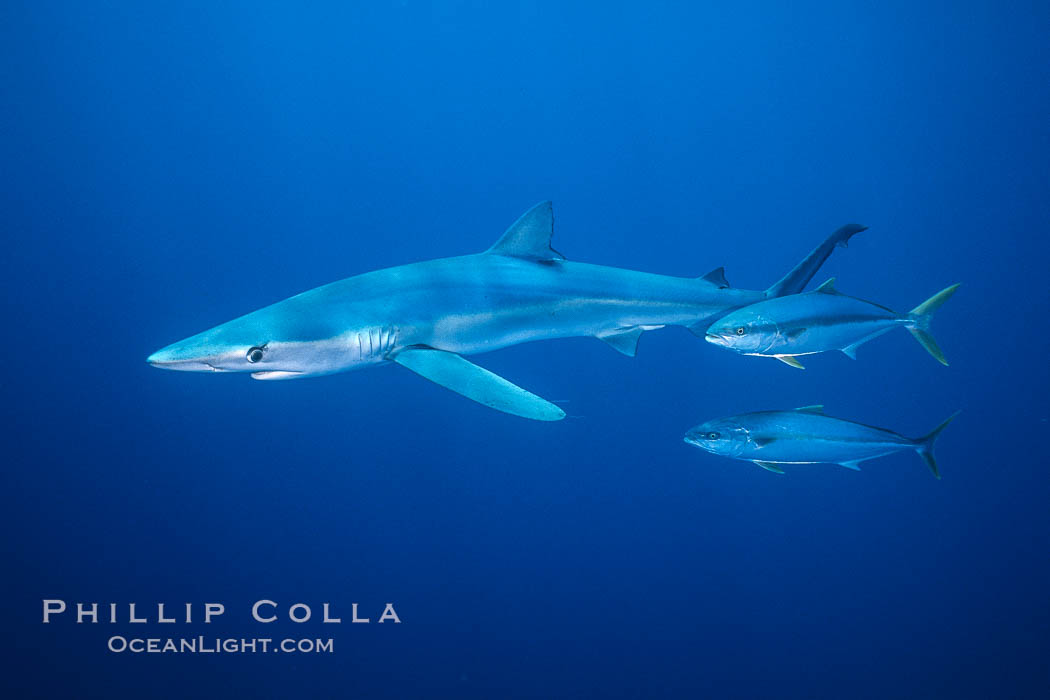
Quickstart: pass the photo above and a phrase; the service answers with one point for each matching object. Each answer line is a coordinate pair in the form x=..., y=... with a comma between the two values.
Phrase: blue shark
x=818, y=321
x=806, y=436
x=426, y=316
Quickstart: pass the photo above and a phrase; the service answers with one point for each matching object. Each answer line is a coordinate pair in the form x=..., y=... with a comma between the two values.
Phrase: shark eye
x=254, y=354
x=740, y=331
x=713, y=436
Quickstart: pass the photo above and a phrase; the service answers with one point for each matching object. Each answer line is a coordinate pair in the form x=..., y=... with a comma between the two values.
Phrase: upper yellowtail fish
x=426, y=316
x=818, y=321
x=806, y=436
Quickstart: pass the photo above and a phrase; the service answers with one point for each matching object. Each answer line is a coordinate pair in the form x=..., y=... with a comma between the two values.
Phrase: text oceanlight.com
x=206, y=645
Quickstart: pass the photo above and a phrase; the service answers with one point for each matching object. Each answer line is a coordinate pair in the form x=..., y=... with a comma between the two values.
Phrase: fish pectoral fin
x=623, y=340
x=763, y=441
x=792, y=334
x=850, y=351
x=790, y=360
x=815, y=408
x=854, y=465
x=476, y=383
x=769, y=466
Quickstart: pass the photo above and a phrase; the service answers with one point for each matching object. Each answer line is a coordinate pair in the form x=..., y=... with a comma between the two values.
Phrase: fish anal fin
x=530, y=236
x=790, y=360
x=769, y=466
x=625, y=340
x=464, y=377
x=815, y=408
x=717, y=277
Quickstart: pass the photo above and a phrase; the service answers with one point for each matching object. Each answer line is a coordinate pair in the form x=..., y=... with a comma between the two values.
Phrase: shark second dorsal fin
x=828, y=287
x=530, y=236
x=717, y=277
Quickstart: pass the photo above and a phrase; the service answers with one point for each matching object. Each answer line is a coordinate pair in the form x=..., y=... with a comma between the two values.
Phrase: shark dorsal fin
x=717, y=277
x=530, y=236
x=818, y=408
x=828, y=287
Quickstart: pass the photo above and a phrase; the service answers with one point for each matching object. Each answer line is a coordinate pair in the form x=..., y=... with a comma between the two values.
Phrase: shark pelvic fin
x=464, y=377
x=624, y=341
x=530, y=236
x=769, y=466
x=717, y=277
x=790, y=360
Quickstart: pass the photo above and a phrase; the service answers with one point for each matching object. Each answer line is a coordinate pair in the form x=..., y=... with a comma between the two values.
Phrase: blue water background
x=169, y=166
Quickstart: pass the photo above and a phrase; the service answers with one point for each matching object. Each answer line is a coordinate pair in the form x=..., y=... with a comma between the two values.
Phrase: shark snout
x=180, y=358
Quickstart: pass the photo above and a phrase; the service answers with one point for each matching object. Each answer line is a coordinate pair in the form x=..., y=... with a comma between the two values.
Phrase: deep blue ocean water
x=167, y=167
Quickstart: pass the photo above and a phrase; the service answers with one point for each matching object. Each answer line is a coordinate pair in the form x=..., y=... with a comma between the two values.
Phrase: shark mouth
x=276, y=375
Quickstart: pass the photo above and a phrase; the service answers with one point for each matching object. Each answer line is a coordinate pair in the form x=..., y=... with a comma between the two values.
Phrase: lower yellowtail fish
x=806, y=436
x=818, y=321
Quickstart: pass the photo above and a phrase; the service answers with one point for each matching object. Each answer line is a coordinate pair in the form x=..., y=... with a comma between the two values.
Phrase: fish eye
x=713, y=436
x=255, y=354
x=740, y=331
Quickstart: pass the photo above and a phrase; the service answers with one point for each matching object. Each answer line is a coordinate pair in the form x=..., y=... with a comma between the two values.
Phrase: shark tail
x=924, y=445
x=919, y=320
x=800, y=275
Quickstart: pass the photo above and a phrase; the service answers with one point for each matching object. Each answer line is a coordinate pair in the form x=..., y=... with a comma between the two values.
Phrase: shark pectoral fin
x=530, y=236
x=854, y=465
x=464, y=377
x=769, y=466
x=790, y=360
x=625, y=341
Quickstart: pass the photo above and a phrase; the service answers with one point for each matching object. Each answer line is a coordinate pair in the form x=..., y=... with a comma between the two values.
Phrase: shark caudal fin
x=924, y=445
x=919, y=322
x=796, y=280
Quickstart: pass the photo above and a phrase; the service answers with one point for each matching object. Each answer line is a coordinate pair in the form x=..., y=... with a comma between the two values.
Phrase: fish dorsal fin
x=717, y=277
x=828, y=287
x=817, y=408
x=530, y=236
